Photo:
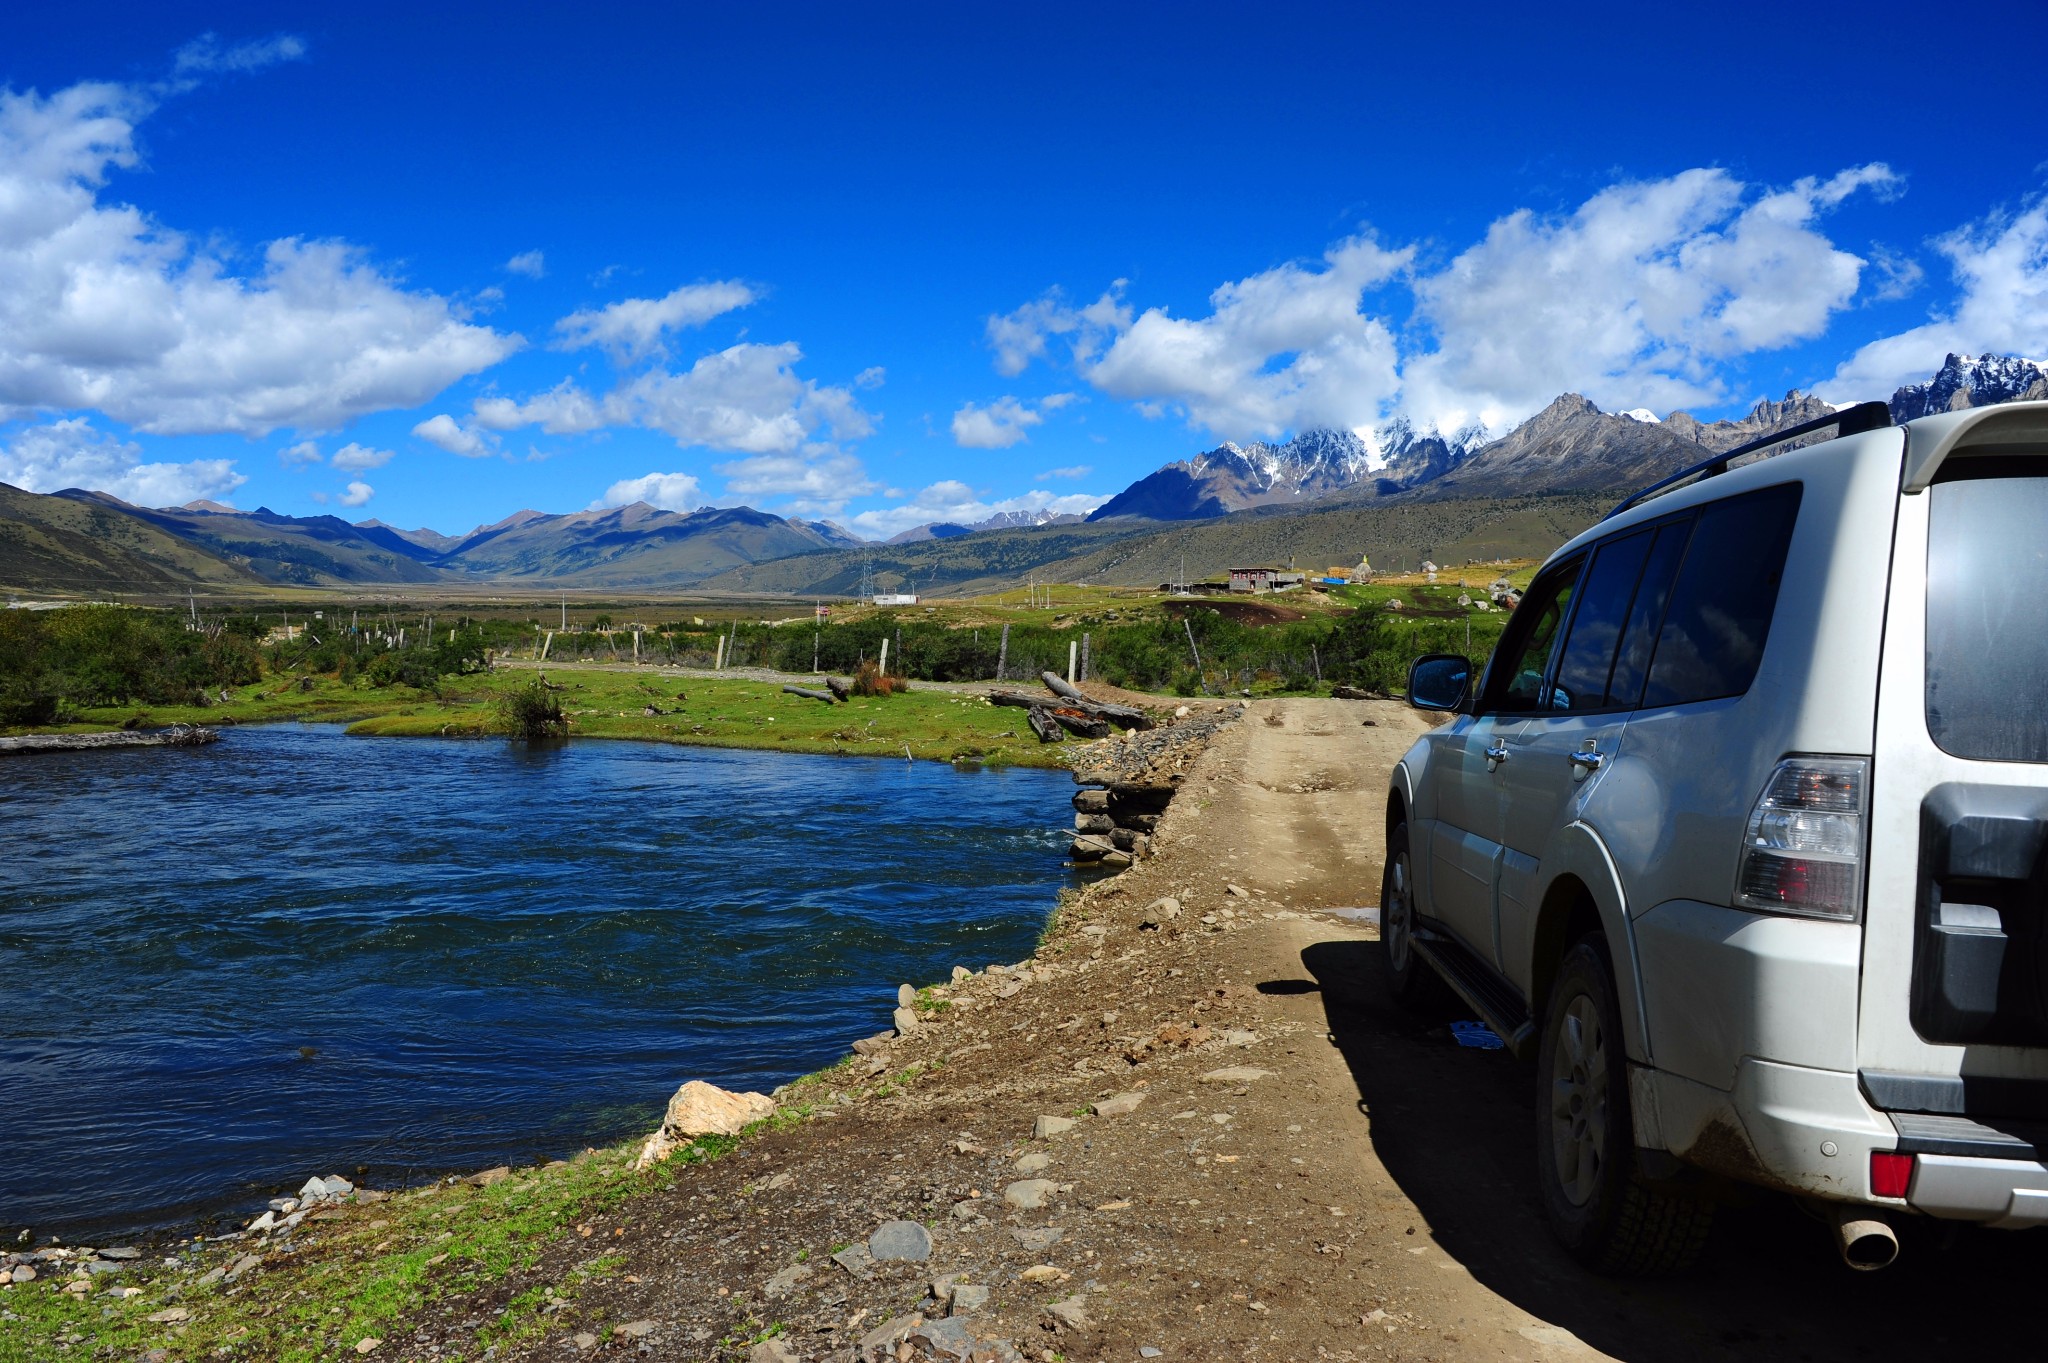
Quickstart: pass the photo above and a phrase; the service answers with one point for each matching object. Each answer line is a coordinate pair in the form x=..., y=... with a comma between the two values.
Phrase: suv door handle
x=1587, y=760
x=1497, y=753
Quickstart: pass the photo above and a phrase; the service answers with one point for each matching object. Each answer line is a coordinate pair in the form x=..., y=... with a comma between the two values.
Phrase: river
x=295, y=953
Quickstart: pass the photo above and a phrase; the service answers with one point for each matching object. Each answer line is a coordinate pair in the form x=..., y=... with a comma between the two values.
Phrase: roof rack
x=1864, y=416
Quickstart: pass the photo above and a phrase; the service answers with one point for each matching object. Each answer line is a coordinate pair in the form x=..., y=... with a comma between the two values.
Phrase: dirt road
x=1303, y=1173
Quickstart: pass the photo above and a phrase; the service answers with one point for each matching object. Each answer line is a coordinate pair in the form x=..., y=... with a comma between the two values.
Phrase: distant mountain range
x=88, y=541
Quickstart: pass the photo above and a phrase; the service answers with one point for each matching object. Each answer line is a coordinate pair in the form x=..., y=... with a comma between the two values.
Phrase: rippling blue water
x=491, y=952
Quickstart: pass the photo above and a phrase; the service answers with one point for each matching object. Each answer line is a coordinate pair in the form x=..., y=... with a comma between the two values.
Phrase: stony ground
x=1193, y=1137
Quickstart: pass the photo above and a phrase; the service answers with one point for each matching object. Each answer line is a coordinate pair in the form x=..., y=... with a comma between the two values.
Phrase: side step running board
x=1487, y=994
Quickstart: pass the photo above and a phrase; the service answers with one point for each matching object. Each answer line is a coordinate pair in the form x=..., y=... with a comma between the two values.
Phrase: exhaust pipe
x=1865, y=1241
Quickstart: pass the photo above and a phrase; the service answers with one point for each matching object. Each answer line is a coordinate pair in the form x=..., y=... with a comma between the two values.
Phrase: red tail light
x=1890, y=1174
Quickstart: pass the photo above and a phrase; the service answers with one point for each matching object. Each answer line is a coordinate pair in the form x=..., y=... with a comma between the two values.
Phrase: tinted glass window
x=1527, y=646
x=1653, y=593
x=1720, y=613
x=1604, y=599
x=1987, y=611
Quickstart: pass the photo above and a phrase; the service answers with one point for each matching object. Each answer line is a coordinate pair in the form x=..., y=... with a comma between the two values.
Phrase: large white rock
x=701, y=1109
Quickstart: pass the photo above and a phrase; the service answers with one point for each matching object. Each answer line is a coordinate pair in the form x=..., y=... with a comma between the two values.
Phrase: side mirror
x=1438, y=681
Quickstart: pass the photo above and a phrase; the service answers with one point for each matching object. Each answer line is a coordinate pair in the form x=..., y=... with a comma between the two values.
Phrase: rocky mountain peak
x=1965, y=381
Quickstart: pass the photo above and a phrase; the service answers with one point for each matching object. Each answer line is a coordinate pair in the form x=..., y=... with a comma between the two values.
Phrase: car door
x=1465, y=848
x=1559, y=754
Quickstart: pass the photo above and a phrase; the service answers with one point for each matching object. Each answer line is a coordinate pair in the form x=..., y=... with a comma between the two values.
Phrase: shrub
x=869, y=681
x=532, y=712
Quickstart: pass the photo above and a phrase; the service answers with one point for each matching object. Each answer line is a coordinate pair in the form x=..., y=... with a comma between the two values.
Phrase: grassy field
x=935, y=725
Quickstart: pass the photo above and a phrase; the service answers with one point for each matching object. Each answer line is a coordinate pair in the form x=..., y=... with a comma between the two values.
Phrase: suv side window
x=1522, y=661
x=1646, y=614
x=1713, y=635
x=1603, y=608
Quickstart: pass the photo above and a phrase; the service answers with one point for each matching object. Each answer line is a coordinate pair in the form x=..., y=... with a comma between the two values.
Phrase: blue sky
x=893, y=264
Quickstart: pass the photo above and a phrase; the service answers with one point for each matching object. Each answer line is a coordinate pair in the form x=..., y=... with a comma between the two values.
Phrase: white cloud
x=746, y=399
x=103, y=308
x=1283, y=349
x=998, y=426
x=633, y=328
x=1022, y=336
x=71, y=453
x=354, y=458
x=358, y=494
x=955, y=503
x=1642, y=295
x=532, y=264
x=874, y=376
x=452, y=436
x=205, y=55
x=564, y=409
x=818, y=479
x=669, y=491
x=1635, y=298
x=305, y=452
x=2000, y=265
x=1071, y=471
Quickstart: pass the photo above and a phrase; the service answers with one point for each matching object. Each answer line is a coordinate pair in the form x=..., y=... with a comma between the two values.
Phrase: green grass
x=371, y=1275
x=935, y=725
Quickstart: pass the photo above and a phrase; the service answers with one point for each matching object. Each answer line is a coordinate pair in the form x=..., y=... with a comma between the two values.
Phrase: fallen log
x=1059, y=686
x=808, y=694
x=840, y=690
x=1044, y=725
x=1123, y=716
x=1080, y=723
x=178, y=737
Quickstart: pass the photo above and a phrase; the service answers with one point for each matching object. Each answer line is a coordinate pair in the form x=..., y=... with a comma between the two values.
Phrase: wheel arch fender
x=1584, y=894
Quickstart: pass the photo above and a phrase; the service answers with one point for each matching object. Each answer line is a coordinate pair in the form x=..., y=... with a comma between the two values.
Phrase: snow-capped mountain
x=1313, y=465
x=1972, y=381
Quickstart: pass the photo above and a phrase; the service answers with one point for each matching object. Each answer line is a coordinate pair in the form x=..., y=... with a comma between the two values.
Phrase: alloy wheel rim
x=1395, y=924
x=1578, y=1100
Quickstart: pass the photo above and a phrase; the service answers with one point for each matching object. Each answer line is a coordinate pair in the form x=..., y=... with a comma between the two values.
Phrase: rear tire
x=1608, y=1216
x=1409, y=978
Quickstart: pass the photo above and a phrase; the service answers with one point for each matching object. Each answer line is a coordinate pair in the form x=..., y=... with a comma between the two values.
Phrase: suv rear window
x=1987, y=609
x=1721, y=605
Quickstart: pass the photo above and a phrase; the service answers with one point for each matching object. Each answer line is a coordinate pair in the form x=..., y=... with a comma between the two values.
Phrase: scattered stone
x=1048, y=1127
x=1115, y=857
x=1239, y=1038
x=1073, y=1312
x=906, y=1021
x=368, y=1344
x=906, y=997
x=966, y=1211
x=584, y=1340
x=779, y=1180
x=1160, y=912
x=175, y=1315
x=1236, y=1074
x=961, y=974
x=246, y=1264
x=855, y=1259
x=1037, y=1162
x=1096, y=930
x=772, y=1351
x=1028, y=1195
x=1091, y=847
x=967, y=1299
x=1237, y=892
x=284, y=1206
x=888, y=1335
x=1010, y=990
x=1147, y=1351
x=1040, y=1273
x=121, y=1252
x=903, y=1241
x=1120, y=1105
x=877, y=1044
x=484, y=1178
x=785, y=1282
x=1094, y=823
x=1037, y=1239
x=637, y=1329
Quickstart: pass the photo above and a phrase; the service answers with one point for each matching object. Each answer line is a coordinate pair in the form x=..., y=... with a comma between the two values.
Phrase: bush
x=869, y=681
x=532, y=712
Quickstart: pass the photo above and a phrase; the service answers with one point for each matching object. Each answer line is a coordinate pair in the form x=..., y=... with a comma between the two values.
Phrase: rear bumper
x=1811, y=1132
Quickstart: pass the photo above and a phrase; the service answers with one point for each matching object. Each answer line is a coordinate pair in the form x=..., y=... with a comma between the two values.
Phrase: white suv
x=1742, y=836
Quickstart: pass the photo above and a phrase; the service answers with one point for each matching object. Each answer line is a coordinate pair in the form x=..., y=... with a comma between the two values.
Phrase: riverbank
x=930, y=722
